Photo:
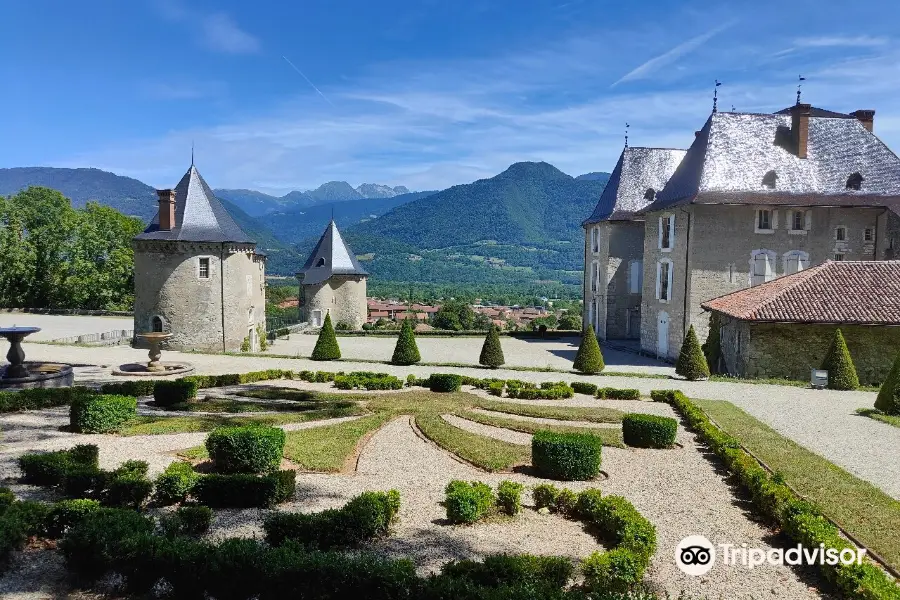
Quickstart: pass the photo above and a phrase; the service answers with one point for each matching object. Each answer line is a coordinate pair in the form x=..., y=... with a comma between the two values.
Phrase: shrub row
x=566, y=456
x=367, y=380
x=582, y=387
x=50, y=468
x=444, y=382
x=247, y=449
x=243, y=490
x=365, y=517
x=648, y=431
x=175, y=484
x=800, y=520
x=468, y=501
x=39, y=398
x=631, y=535
x=170, y=393
x=101, y=413
x=190, y=519
x=608, y=393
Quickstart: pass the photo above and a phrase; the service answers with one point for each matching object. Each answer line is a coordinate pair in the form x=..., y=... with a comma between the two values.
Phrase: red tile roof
x=834, y=292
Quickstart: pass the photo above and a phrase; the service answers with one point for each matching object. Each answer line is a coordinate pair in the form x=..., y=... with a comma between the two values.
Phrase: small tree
x=589, y=359
x=712, y=347
x=888, y=400
x=841, y=372
x=326, y=346
x=406, y=352
x=691, y=363
x=491, y=351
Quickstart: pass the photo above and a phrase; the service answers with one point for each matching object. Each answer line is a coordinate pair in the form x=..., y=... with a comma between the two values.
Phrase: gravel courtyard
x=680, y=490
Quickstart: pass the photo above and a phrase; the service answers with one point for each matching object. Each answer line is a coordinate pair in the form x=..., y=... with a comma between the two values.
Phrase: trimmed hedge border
x=36, y=399
x=648, y=431
x=245, y=491
x=101, y=413
x=445, y=382
x=247, y=449
x=608, y=393
x=468, y=501
x=367, y=380
x=800, y=520
x=169, y=393
x=566, y=456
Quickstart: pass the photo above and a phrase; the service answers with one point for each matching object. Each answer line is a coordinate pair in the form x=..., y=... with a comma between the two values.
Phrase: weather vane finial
x=800, y=79
x=716, y=96
x=192, y=153
x=626, y=134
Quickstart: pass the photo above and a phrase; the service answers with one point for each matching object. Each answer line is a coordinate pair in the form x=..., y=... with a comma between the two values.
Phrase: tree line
x=56, y=256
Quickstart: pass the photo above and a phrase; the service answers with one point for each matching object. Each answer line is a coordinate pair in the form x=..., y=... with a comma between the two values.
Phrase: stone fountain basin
x=141, y=370
x=41, y=375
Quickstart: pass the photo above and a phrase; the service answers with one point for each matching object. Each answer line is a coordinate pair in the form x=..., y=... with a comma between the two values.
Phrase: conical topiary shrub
x=888, y=400
x=406, y=352
x=589, y=360
x=712, y=347
x=691, y=363
x=841, y=372
x=326, y=346
x=491, y=352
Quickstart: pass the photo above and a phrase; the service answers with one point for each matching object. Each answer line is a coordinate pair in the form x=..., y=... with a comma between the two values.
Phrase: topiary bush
x=444, y=382
x=243, y=490
x=509, y=497
x=691, y=363
x=589, y=359
x=38, y=398
x=712, y=347
x=94, y=545
x=367, y=380
x=248, y=449
x=187, y=520
x=175, y=483
x=492, y=351
x=839, y=364
x=66, y=514
x=544, y=496
x=169, y=393
x=566, y=456
x=467, y=502
x=498, y=570
x=648, y=431
x=609, y=393
x=327, y=345
x=101, y=413
x=582, y=387
x=616, y=570
x=51, y=468
x=140, y=387
x=888, y=400
x=406, y=352
x=127, y=489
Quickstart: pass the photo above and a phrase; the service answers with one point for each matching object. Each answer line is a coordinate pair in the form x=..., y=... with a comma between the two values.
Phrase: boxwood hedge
x=466, y=502
x=248, y=449
x=243, y=490
x=566, y=456
x=169, y=393
x=649, y=431
x=101, y=413
x=444, y=382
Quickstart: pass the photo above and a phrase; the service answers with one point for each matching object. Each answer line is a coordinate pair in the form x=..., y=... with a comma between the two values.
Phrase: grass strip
x=485, y=452
x=876, y=414
x=327, y=448
x=563, y=413
x=857, y=506
x=237, y=406
x=153, y=425
x=611, y=436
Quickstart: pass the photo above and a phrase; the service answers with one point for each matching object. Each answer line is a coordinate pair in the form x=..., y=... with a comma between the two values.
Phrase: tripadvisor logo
x=695, y=555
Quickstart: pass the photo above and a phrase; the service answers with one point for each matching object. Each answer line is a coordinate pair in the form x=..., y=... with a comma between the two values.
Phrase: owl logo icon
x=695, y=555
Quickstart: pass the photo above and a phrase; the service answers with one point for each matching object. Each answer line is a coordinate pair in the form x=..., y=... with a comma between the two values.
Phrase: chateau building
x=614, y=241
x=759, y=196
x=197, y=275
x=333, y=282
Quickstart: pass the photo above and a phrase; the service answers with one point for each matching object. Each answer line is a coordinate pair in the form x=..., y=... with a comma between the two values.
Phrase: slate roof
x=638, y=170
x=850, y=292
x=199, y=216
x=730, y=156
x=331, y=256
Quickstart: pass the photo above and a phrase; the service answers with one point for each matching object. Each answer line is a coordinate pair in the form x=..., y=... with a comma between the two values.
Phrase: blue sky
x=423, y=93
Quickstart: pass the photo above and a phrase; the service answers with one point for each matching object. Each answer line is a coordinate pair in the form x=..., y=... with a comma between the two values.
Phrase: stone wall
x=168, y=285
x=793, y=350
x=610, y=306
x=342, y=297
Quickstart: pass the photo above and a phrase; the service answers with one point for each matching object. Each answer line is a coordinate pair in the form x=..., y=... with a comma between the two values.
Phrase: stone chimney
x=866, y=117
x=166, y=209
x=800, y=127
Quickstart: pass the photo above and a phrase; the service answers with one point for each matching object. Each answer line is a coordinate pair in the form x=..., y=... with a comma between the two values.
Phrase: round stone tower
x=197, y=275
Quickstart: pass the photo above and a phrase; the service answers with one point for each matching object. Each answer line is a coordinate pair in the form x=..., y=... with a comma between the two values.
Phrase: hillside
x=256, y=203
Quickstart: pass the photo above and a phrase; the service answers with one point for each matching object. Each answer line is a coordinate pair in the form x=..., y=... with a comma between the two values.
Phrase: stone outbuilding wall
x=792, y=350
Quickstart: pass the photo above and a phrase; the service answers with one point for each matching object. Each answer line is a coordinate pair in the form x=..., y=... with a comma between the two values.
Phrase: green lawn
x=152, y=425
x=327, y=448
x=222, y=405
x=485, y=452
x=866, y=512
x=873, y=413
x=563, y=413
x=611, y=436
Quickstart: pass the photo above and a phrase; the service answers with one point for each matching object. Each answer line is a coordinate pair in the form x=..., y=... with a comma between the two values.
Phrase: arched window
x=650, y=194
x=795, y=261
x=854, y=182
x=762, y=266
x=320, y=262
x=769, y=180
x=156, y=324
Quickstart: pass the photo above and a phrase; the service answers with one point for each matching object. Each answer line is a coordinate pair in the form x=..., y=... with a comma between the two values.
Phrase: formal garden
x=325, y=484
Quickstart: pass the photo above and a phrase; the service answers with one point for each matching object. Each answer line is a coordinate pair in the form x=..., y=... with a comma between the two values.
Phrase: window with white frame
x=664, y=280
x=840, y=234
x=765, y=220
x=666, y=232
x=762, y=266
x=635, y=276
x=794, y=261
x=597, y=283
x=593, y=275
x=595, y=239
x=203, y=268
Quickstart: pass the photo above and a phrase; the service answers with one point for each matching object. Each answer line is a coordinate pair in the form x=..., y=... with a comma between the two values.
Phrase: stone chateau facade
x=198, y=276
x=754, y=197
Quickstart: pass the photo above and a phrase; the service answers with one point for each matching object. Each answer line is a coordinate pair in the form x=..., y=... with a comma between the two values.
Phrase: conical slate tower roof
x=331, y=256
x=199, y=216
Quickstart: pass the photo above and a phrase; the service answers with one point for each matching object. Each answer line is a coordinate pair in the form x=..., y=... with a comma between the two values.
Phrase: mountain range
x=522, y=226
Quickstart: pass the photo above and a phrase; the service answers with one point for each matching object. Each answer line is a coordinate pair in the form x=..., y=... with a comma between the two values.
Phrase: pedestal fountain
x=155, y=366
x=19, y=374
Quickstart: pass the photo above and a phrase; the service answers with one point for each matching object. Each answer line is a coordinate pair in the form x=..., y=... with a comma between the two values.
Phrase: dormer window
x=320, y=262
x=854, y=182
x=769, y=180
x=650, y=194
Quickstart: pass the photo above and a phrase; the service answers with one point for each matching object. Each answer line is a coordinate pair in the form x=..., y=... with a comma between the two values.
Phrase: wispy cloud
x=838, y=41
x=654, y=64
x=218, y=30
